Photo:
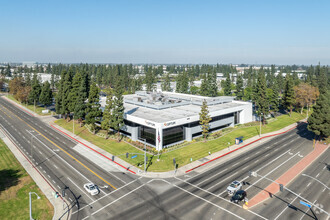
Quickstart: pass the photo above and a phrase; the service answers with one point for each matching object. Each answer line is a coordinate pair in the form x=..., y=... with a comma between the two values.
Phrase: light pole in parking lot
x=30, y=193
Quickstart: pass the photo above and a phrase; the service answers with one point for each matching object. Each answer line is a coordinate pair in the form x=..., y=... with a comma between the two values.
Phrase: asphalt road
x=199, y=195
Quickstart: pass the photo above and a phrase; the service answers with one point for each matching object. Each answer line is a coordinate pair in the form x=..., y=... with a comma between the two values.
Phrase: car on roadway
x=233, y=187
x=91, y=188
x=239, y=196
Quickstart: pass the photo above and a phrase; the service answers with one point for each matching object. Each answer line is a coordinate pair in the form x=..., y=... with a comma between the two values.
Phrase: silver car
x=233, y=187
x=91, y=188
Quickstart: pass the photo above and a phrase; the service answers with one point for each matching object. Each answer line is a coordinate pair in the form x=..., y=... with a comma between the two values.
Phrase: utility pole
x=30, y=202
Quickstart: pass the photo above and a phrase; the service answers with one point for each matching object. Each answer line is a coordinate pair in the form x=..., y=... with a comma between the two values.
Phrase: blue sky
x=255, y=32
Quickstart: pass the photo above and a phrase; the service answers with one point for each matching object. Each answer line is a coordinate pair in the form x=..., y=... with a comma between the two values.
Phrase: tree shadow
x=303, y=132
x=9, y=178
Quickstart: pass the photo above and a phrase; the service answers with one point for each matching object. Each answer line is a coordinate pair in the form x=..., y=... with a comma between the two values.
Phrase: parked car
x=239, y=196
x=91, y=188
x=233, y=187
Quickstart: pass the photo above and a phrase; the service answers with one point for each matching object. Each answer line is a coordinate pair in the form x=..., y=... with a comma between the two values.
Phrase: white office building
x=166, y=118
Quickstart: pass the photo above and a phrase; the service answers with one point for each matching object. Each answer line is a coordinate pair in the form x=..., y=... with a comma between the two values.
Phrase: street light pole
x=145, y=154
x=30, y=203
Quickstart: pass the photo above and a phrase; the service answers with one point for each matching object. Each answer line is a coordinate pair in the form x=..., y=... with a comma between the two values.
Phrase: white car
x=91, y=188
x=233, y=187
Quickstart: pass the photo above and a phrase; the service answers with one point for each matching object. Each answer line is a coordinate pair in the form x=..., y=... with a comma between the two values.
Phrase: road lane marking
x=80, y=189
x=55, y=166
x=256, y=161
x=107, y=195
x=286, y=207
x=246, y=158
x=53, y=181
x=40, y=152
x=271, y=171
x=121, y=197
x=317, y=175
x=66, y=152
x=211, y=194
x=309, y=184
x=48, y=176
x=211, y=176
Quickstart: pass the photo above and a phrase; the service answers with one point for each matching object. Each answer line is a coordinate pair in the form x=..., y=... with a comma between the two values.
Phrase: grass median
x=15, y=185
x=183, y=156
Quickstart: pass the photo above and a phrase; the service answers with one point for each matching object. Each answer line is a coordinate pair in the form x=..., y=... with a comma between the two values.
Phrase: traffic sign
x=305, y=204
x=134, y=156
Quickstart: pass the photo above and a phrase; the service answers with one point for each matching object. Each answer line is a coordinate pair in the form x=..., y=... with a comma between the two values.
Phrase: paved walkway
x=288, y=176
x=45, y=186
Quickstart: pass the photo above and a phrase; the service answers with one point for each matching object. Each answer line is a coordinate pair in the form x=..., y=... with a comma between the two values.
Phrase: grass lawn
x=31, y=107
x=195, y=151
x=15, y=185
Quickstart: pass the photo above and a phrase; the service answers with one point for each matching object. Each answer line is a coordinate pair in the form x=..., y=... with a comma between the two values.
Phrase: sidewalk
x=122, y=165
x=288, y=176
x=59, y=206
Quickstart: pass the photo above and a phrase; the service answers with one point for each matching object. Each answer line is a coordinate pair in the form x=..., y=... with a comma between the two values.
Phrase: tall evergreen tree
x=80, y=108
x=239, y=87
x=93, y=111
x=204, y=119
x=66, y=88
x=74, y=92
x=35, y=90
x=166, y=84
x=46, y=96
x=118, y=109
x=58, y=99
x=212, y=82
x=204, y=87
x=322, y=80
x=319, y=121
x=227, y=88
x=107, y=113
x=289, y=96
x=274, y=103
x=150, y=79
x=261, y=94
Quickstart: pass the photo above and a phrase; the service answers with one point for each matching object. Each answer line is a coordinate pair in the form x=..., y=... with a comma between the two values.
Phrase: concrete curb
x=45, y=186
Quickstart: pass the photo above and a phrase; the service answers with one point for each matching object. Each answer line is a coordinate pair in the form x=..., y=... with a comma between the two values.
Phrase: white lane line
x=271, y=171
x=108, y=194
x=317, y=175
x=121, y=197
x=66, y=163
x=256, y=161
x=44, y=171
x=306, y=212
x=40, y=152
x=286, y=207
x=236, y=164
x=48, y=176
x=246, y=158
x=58, y=187
x=80, y=189
x=211, y=176
x=245, y=168
x=70, y=199
x=267, y=155
x=211, y=194
x=309, y=184
x=53, y=181
x=55, y=166
x=221, y=181
x=324, y=189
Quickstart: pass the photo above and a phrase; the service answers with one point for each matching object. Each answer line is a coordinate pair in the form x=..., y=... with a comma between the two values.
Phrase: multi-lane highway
x=200, y=194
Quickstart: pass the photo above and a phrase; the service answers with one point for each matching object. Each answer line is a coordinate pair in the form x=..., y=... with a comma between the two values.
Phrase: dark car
x=240, y=195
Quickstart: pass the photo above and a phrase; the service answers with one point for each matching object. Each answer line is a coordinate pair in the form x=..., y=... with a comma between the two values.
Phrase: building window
x=236, y=118
x=147, y=133
x=172, y=135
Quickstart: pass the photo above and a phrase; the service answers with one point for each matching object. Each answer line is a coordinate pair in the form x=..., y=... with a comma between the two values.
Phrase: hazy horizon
x=171, y=32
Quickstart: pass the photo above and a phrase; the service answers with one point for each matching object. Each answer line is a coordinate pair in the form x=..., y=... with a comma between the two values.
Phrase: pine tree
x=289, y=96
x=261, y=100
x=80, y=108
x=322, y=80
x=212, y=82
x=118, y=109
x=58, y=99
x=35, y=90
x=166, y=84
x=150, y=80
x=107, y=113
x=93, y=111
x=66, y=88
x=239, y=87
x=227, y=88
x=275, y=99
x=319, y=121
x=204, y=87
x=204, y=119
x=74, y=92
x=46, y=96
